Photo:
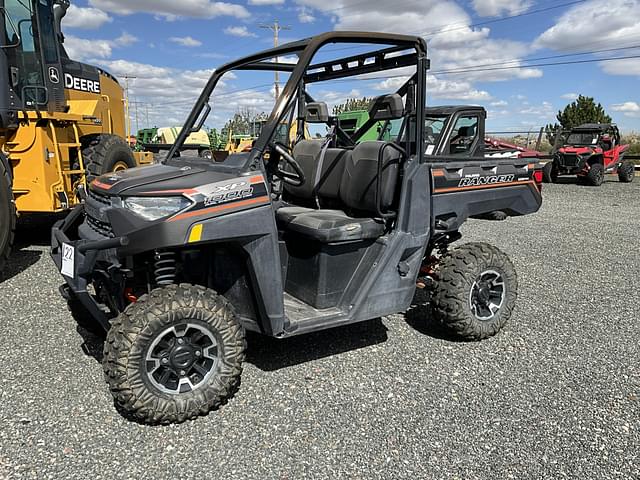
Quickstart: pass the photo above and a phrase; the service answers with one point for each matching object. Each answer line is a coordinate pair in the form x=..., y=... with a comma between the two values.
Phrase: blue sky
x=171, y=47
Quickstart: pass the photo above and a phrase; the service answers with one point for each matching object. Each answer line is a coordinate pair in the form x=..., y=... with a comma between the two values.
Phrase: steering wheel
x=295, y=178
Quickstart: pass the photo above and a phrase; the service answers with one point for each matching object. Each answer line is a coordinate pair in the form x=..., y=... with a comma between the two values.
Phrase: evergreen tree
x=582, y=110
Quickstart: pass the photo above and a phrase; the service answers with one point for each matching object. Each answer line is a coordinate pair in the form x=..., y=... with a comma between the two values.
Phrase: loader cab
x=30, y=64
x=455, y=131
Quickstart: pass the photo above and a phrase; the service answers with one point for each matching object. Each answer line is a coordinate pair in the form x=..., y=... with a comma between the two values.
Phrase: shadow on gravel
x=21, y=258
x=573, y=180
x=269, y=354
x=32, y=231
x=35, y=229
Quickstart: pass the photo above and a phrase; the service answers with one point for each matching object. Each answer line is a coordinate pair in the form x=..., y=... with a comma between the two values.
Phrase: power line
x=500, y=66
x=564, y=55
x=569, y=62
x=501, y=19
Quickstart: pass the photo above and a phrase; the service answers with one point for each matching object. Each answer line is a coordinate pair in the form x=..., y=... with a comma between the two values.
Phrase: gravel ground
x=555, y=395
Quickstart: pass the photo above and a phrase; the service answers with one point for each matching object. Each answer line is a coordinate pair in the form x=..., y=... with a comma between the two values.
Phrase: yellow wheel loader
x=62, y=122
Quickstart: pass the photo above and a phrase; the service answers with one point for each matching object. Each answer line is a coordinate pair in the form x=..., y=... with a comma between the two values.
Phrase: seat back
x=360, y=178
x=307, y=154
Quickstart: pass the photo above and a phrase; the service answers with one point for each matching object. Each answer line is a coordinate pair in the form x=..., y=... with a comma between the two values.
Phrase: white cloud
x=453, y=43
x=454, y=90
x=266, y=2
x=82, y=49
x=439, y=88
x=597, y=25
x=541, y=113
x=85, y=18
x=582, y=25
x=493, y=8
x=305, y=15
x=292, y=59
x=499, y=103
x=622, y=67
x=186, y=41
x=168, y=94
x=125, y=40
x=629, y=109
x=239, y=31
x=211, y=55
x=333, y=97
x=569, y=96
x=171, y=9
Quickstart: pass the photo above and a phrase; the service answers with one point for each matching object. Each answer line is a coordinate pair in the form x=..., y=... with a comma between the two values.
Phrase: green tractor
x=352, y=120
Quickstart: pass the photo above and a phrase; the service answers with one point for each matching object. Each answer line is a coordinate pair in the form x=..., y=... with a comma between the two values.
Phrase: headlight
x=155, y=208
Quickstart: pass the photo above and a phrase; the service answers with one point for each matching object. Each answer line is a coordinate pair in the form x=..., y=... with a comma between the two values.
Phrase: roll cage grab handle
x=306, y=50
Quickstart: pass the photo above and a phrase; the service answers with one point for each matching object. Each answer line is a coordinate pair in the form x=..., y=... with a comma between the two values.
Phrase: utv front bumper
x=76, y=259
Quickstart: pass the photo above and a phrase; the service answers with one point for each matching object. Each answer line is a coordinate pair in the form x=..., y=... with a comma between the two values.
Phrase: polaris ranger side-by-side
x=176, y=261
x=590, y=151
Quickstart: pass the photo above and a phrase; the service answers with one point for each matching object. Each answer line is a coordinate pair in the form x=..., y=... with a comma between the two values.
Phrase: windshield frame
x=305, y=50
x=582, y=133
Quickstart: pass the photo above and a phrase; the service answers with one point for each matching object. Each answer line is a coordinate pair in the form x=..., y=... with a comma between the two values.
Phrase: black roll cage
x=304, y=72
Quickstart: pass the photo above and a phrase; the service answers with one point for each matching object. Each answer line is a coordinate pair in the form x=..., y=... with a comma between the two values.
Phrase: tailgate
x=463, y=189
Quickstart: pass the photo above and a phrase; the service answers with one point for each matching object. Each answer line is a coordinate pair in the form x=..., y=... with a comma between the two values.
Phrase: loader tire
x=173, y=355
x=626, y=171
x=7, y=215
x=104, y=153
x=475, y=291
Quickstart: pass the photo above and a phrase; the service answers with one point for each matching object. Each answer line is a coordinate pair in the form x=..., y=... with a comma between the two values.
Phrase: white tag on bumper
x=68, y=260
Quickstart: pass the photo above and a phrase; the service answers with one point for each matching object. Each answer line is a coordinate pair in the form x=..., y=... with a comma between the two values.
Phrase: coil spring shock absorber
x=164, y=268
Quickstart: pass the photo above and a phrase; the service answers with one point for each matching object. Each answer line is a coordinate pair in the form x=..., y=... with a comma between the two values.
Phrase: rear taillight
x=537, y=176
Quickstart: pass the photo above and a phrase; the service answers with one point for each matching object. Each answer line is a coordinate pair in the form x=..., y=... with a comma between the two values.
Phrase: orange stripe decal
x=479, y=187
x=438, y=173
x=244, y=203
x=188, y=191
x=256, y=179
x=104, y=186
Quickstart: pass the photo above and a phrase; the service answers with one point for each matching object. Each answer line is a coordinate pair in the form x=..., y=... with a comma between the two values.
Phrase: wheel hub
x=484, y=292
x=181, y=358
x=487, y=295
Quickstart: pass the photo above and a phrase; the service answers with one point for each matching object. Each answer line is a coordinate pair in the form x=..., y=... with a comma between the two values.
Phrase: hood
x=577, y=150
x=171, y=178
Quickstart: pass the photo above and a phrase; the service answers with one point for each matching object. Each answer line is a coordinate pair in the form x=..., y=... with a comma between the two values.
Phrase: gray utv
x=177, y=260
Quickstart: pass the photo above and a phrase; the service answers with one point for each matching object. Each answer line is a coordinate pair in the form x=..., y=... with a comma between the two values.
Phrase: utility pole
x=276, y=27
x=135, y=103
x=126, y=104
